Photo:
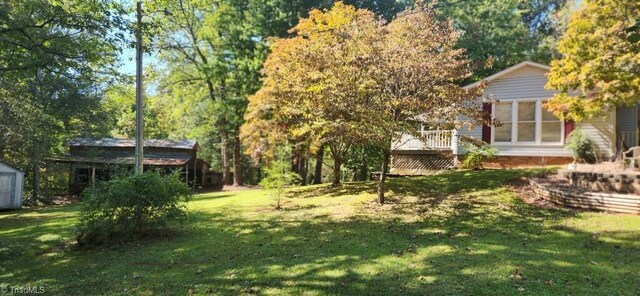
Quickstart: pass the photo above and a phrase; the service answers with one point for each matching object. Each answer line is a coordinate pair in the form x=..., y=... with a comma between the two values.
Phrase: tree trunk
x=237, y=170
x=317, y=177
x=383, y=175
x=294, y=161
x=36, y=181
x=364, y=169
x=259, y=169
x=224, y=145
x=36, y=172
x=337, y=163
x=303, y=169
x=47, y=196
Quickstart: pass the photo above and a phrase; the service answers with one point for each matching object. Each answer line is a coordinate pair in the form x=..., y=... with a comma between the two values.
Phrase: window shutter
x=569, y=126
x=486, y=126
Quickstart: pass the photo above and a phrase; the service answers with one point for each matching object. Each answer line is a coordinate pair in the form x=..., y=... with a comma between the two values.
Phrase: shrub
x=130, y=207
x=476, y=154
x=279, y=175
x=582, y=146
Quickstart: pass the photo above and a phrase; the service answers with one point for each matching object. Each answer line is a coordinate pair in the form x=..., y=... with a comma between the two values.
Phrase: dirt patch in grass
x=525, y=192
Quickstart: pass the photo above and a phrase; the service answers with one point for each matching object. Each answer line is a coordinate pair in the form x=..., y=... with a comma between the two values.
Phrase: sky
x=128, y=60
x=128, y=56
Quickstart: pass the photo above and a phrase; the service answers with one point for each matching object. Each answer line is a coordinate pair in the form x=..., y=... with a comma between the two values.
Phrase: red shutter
x=486, y=127
x=569, y=126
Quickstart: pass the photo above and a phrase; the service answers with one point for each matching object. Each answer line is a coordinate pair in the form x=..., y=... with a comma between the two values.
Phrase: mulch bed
x=525, y=192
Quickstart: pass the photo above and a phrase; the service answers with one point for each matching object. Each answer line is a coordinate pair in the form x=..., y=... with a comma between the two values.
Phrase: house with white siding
x=528, y=135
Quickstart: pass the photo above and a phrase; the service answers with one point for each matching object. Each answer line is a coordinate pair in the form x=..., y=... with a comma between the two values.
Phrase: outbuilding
x=11, y=186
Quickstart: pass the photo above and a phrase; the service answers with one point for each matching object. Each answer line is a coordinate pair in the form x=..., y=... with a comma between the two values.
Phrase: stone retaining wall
x=621, y=182
x=614, y=202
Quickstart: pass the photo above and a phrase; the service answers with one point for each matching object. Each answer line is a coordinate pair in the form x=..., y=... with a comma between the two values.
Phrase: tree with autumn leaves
x=600, y=64
x=348, y=78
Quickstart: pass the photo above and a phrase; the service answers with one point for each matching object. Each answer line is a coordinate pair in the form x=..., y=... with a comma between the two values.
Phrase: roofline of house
x=15, y=168
x=507, y=71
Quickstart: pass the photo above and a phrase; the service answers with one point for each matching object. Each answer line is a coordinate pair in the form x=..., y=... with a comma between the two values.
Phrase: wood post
x=186, y=176
x=93, y=176
x=454, y=147
x=71, y=178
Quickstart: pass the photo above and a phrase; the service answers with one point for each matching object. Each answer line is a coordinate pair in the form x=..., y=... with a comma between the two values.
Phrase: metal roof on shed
x=155, y=161
x=113, y=142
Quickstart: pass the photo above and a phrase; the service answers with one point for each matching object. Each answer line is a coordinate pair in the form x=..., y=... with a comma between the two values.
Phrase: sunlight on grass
x=458, y=232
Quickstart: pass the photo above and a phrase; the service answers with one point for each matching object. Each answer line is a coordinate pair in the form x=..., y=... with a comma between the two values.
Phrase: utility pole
x=139, y=102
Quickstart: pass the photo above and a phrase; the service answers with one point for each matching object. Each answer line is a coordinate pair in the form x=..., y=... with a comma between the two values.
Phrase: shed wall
x=15, y=200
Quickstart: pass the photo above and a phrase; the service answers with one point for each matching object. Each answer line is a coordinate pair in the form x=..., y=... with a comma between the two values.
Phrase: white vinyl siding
x=602, y=131
x=524, y=84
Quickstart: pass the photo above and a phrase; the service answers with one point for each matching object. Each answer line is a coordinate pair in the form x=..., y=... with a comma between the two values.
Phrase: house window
x=551, y=127
x=526, y=122
x=503, y=133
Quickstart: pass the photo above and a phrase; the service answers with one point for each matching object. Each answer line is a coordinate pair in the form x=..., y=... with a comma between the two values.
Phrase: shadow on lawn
x=448, y=183
x=482, y=247
x=473, y=252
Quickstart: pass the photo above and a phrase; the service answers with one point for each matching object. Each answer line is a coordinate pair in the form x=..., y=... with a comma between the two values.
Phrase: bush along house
x=92, y=160
x=528, y=135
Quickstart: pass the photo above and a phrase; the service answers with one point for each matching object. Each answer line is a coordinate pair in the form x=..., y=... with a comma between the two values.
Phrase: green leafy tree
x=310, y=92
x=279, y=175
x=119, y=103
x=54, y=58
x=600, y=66
x=501, y=33
x=413, y=78
x=347, y=79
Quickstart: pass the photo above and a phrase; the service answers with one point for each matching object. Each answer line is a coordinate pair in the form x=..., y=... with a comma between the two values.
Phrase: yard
x=457, y=233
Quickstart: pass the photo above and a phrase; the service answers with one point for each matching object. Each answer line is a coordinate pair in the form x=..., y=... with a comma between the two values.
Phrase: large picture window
x=526, y=122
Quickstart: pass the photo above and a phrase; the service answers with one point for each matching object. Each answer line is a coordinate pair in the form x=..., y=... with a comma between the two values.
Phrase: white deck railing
x=630, y=138
x=428, y=140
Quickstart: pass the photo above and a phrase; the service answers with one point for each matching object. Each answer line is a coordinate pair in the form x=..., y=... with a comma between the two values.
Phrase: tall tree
x=53, y=59
x=348, y=79
x=311, y=87
x=501, y=33
x=415, y=73
x=600, y=64
x=219, y=46
x=119, y=103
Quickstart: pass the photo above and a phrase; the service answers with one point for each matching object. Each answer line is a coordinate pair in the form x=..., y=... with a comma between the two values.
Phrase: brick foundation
x=502, y=162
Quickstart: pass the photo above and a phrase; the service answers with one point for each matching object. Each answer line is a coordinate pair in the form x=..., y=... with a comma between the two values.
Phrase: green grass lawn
x=457, y=233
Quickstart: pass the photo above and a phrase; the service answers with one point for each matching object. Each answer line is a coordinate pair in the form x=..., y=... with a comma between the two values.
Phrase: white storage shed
x=11, y=187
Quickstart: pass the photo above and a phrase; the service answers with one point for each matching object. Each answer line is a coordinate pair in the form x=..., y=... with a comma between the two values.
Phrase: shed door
x=7, y=189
